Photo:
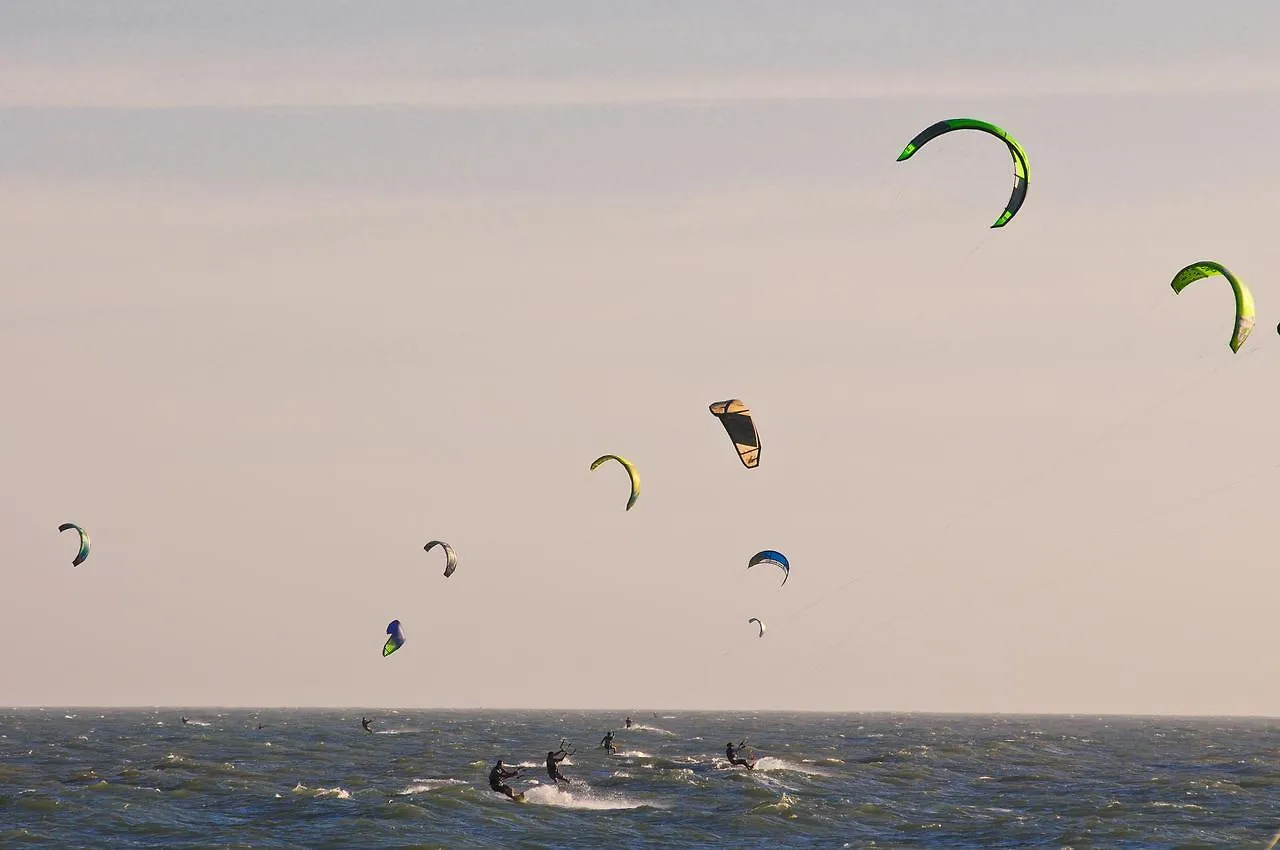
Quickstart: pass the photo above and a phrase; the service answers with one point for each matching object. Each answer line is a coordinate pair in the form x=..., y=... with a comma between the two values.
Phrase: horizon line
x=913, y=712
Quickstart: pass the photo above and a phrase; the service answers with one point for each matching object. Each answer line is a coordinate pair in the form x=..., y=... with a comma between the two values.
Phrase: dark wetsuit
x=732, y=756
x=607, y=743
x=553, y=766
x=628, y=722
x=365, y=724
x=496, y=776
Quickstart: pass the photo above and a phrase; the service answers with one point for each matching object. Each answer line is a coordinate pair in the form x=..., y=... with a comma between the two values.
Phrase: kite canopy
x=1021, y=170
x=1244, y=298
x=395, y=641
x=631, y=472
x=84, y=542
x=450, y=556
x=736, y=419
x=760, y=624
x=769, y=556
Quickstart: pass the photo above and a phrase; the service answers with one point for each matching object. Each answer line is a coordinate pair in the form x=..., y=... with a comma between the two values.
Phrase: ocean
x=105, y=778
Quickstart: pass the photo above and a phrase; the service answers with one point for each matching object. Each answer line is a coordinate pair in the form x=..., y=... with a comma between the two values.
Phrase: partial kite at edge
x=758, y=623
x=1021, y=170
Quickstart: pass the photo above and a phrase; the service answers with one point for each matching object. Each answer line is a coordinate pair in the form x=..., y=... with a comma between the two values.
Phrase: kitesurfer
x=606, y=743
x=185, y=721
x=553, y=765
x=628, y=722
x=365, y=723
x=731, y=753
x=500, y=773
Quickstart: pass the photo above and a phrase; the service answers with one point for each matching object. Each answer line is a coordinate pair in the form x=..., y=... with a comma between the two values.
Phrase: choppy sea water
x=106, y=778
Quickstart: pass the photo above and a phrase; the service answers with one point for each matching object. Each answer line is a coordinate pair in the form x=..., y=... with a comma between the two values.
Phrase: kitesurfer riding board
x=731, y=753
x=497, y=777
x=553, y=765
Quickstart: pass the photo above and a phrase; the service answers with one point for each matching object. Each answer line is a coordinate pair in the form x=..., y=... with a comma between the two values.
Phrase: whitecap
x=422, y=786
x=770, y=763
x=548, y=795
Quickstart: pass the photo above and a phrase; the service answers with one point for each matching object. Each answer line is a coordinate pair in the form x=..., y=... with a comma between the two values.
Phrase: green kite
x=1244, y=298
x=1021, y=170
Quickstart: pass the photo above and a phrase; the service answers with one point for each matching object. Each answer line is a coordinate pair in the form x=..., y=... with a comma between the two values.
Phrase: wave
x=640, y=727
x=422, y=786
x=337, y=793
x=771, y=763
x=547, y=795
x=782, y=805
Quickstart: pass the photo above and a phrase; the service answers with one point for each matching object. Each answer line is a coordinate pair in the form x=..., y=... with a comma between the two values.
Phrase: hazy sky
x=291, y=288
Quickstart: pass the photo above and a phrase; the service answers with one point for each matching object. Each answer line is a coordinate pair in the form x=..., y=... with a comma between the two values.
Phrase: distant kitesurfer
x=606, y=743
x=365, y=723
x=185, y=721
x=731, y=753
x=496, y=777
x=553, y=765
x=628, y=722
x=261, y=726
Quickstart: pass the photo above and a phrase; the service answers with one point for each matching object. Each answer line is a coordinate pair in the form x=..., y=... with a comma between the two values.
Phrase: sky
x=291, y=288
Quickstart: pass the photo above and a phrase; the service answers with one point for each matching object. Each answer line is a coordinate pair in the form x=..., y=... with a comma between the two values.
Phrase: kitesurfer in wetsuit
x=606, y=743
x=628, y=722
x=365, y=723
x=732, y=755
x=553, y=766
x=500, y=773
x=185, y=721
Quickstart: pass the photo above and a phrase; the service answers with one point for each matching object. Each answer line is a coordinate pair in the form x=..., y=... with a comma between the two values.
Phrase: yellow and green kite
x=631, y=472
x=1244, y=298
x=1021, y=171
